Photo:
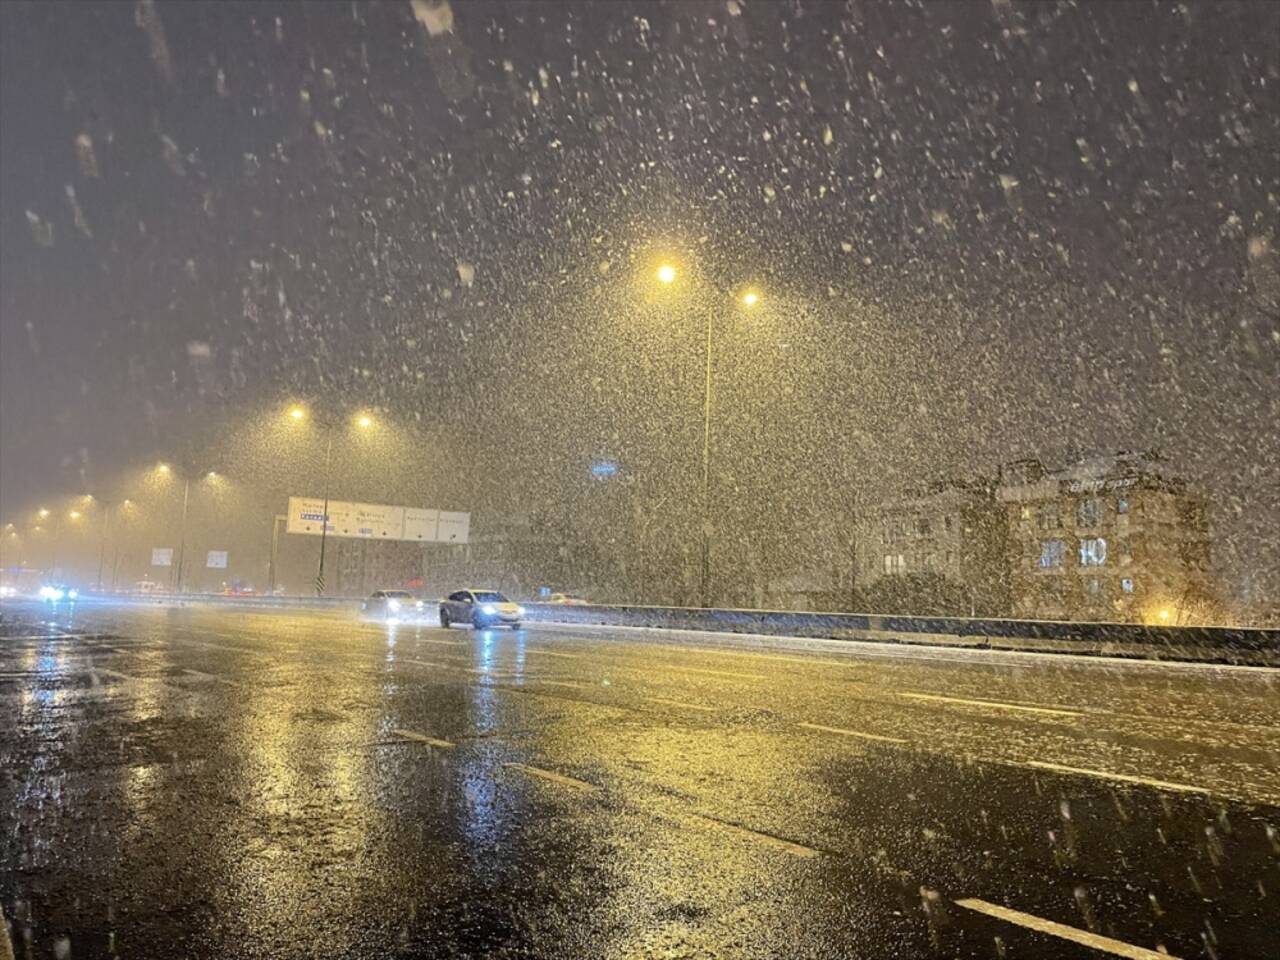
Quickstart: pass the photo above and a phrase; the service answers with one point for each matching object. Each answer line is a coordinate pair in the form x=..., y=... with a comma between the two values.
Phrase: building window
x=1122, y=505
x=1093, y=552
x=1094, y=588
x=1052, y=553
x=1024, y=512
x=1127, y=585
x=946, y=521
x=1089, y=512
x=895, y=563
x=1048, y=518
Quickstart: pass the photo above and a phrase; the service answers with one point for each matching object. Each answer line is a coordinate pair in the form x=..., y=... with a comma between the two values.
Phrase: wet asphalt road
x=214, y=783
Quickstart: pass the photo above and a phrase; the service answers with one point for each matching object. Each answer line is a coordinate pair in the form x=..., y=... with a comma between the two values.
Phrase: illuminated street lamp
x=667, y=275
x=164, y=471
x=298, y=413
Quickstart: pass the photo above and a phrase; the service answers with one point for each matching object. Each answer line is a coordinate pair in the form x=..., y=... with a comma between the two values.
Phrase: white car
x=479, y=608
x=567, y=600
x=392, y=605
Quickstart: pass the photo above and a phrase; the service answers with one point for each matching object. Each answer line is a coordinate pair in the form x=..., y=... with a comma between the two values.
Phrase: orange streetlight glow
x=666, y=273
x=297, y=413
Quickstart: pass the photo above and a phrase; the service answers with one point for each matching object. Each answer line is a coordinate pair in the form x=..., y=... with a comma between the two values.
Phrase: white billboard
x=454, y=527
x=421, y=524
x=374, y=521
x=162, y=556
x=217, y=560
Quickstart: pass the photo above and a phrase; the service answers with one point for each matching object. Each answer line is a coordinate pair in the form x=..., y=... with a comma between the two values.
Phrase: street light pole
x=705, y=590
x=102, y=548
x=182, y=530
x=275, y=552
x=324, y=520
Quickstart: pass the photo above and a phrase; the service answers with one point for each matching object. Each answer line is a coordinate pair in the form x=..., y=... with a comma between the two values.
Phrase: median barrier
x=1237, y=645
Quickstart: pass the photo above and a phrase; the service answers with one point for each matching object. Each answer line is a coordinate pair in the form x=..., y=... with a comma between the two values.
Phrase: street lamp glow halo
x=666, y=273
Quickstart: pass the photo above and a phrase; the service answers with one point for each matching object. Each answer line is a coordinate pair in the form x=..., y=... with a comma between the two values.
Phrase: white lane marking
x=786, y=846
x=682, y=704
x=50, y=636
x=561, y=683
x=422, y=738
x=552, y=776
x=1122, y=777
x=442, y=643
x=993, y=704
x=1092, y=940
x=6, y=945
x=553, y=653
x=722, y=673
x=211, y=677
x=427, y=663
x=852, y=733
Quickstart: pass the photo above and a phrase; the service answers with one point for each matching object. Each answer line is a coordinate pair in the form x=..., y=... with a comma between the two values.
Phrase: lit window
x=894, y=563
x=1093, y=552
x=1024, y=513
x=1127, y=585
x=1122, y=505
x=1089, y=513
x=1048, y=517
x=1052, y=553
x=1094, y=586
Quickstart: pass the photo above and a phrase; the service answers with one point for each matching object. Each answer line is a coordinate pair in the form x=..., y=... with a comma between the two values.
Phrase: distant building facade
x=946, y=541
x=1108, y=538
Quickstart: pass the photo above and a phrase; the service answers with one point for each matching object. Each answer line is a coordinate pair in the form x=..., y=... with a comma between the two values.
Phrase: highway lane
x=285, y=784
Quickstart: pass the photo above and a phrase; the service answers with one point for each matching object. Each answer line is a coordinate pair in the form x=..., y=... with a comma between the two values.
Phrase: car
x=567, y=600
x=479, y=608
x=392, y=605
x=55, y=592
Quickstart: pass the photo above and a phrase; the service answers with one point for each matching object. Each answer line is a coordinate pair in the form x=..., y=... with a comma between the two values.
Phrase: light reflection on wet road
x=216, y=783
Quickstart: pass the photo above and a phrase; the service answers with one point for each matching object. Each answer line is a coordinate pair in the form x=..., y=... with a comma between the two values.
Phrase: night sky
x=986, y=230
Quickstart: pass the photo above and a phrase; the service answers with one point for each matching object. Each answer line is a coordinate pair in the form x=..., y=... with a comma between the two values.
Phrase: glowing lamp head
x=750, y=298
x=43, y=513
x=162, y=468
x=74, y=515
x=364, y=422
x=666, y=273
x=297, y=413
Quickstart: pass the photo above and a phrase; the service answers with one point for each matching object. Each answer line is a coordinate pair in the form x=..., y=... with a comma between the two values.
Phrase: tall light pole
x=298, y=414
x=667, y=274
x=176, y=573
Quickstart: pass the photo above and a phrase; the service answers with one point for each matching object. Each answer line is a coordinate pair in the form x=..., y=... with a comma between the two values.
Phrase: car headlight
x=73, y=594
x=519, y=611
x=488, y=608
x=47, y=593
x=393, y=604
x=419, y=604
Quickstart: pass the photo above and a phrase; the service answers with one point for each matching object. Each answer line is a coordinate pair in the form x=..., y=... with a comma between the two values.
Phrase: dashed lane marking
x=552, y=777
x=853, y=733
x=1092, y=940
x=6, y=945
x=423, y=738
x=992, y=704
x=561, y=683
x=768, y=840
x=723, y=673
x=1122, y=777
x=553, y=653
x=682, y=704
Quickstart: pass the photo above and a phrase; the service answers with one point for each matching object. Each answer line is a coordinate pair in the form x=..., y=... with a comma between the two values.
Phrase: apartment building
x=1119, y=537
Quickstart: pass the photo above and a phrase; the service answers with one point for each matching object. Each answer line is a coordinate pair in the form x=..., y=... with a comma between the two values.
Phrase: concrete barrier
x=1238, y=645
